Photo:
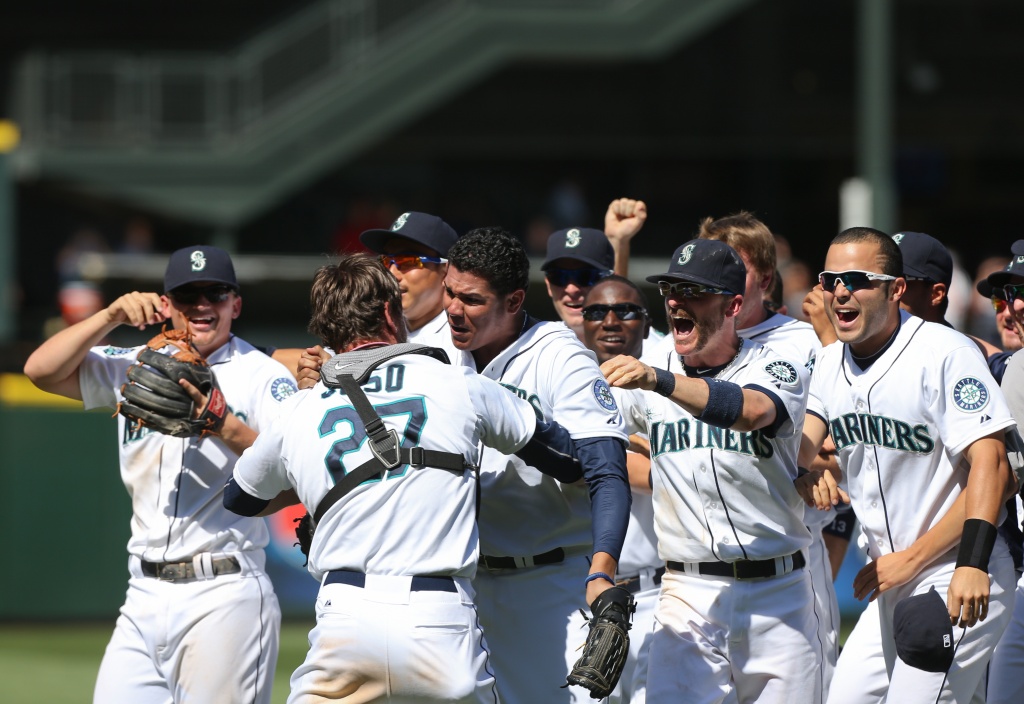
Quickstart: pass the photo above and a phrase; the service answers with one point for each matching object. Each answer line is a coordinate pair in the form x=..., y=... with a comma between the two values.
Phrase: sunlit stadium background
x=280, y=130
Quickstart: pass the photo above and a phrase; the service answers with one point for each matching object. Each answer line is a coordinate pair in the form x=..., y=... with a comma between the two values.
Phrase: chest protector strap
x=348, y=371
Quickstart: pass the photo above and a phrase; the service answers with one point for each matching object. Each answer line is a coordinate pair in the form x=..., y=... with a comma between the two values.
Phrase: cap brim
x=687, y=279
x=374, y=240
x=586, y=260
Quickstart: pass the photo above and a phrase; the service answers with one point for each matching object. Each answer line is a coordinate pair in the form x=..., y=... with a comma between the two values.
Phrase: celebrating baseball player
x=616, y=321
x=539, y=538
x=396, y=549
x=928, y=466
x=200, y=621
x=734, y=618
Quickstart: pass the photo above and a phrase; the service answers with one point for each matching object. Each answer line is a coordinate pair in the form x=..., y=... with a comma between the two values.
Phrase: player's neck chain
x=710, y=371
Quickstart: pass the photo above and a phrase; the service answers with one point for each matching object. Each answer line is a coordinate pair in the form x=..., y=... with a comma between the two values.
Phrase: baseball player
x=734, y=618
x=413, y=249
x=794, y=340
x=903, y=457
x=579, y=257
x=200, y=621
x=616, y=321
x=395, y=616
x=539, y=538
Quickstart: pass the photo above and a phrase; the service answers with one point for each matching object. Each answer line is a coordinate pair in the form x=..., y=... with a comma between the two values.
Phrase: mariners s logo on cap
x=198, y=260
x=397, y=224
x=970, y=394
x=898, y=237
x=687, y=252
x=572, y=238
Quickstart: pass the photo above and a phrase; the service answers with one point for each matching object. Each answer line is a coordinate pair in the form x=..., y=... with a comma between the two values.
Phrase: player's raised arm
x=53, y=367
x=719, y=403
x=622, y=221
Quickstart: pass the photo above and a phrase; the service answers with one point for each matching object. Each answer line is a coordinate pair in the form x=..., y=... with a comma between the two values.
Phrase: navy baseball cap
x=428, y=230
x=582, y=244
x=708, y=263
x=924, y=257
x=999, y=279
x=923, y=632
x=199, y=263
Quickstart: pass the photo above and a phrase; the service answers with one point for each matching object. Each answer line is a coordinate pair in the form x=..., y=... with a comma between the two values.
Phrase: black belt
x=186, y=571
x=551, y=557
x=632, y=584
x=419, y=584
x=742, y=569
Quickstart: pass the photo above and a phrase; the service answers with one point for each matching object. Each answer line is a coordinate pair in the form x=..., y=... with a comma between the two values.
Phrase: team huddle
x=477, y=479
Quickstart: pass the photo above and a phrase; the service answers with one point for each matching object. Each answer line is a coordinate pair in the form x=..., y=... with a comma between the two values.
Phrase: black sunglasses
x=583, y=278
x=853, y=280
x=623, y=311
x=215, y=293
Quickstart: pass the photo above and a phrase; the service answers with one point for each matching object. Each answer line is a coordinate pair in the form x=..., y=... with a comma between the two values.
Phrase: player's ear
x=732, y=309
x=165, y=305
x=515, y=300
x=937, y=294
x=236, y=307
x=898, y=288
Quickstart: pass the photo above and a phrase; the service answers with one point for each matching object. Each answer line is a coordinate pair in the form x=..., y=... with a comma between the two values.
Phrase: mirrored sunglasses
x=685, y=289
x=999, y=303
x=189, y=295
x=406, y=262
x=623, y=311
x=584, y=278
x=853, y=280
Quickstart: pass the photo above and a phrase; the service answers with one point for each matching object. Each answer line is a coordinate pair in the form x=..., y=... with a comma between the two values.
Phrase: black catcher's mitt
x=154, y=399
x=604, y=654
x=304, y=529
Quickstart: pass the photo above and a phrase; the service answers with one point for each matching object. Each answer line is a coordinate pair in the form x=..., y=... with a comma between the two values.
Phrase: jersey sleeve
x=817, y=393
x=102, y=373
x=579, y=397
x=504, y=421
x=261, y=470
x=968, y=404
x=272, y=385
x=786, y=384
x=633, y=408
x=1012, y=386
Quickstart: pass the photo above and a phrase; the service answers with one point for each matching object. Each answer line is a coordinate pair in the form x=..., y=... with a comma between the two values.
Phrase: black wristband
x=976, y=544
x=725, y=403
x=665, y=382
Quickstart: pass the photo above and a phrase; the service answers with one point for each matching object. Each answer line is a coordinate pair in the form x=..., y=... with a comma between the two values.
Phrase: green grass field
x=54, y=663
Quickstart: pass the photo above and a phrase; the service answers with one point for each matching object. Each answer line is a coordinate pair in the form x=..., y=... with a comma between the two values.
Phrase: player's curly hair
x=347, y=301
x=744, y=233
x=889, y=252
x=495, y=256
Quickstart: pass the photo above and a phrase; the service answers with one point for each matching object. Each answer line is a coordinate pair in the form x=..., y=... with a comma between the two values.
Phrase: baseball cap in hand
x=923, y=632
x=429, y=230
x=582, y=244
x=999, y=279
x=199, y=263
x=708, y=263
x=924, y=257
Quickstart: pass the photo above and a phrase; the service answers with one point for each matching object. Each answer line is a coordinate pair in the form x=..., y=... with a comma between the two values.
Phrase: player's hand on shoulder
x=308, y=371
x=624, y=218
x=138, y=309
x=967, y=597
x=627, y=372
x=819, y=489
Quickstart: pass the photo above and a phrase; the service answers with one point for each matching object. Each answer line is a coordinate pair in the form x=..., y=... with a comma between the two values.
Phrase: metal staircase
x=219, y=138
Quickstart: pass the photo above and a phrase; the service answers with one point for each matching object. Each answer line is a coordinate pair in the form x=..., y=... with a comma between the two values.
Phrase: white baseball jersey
x=176, y=483
x=901, y=425
x=720, y=494
x=793, y=339
x=202, y=640
x=418, y=521
x=522, y=511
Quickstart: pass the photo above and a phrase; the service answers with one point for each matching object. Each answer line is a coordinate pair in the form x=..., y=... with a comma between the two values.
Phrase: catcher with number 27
x=200, y=621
